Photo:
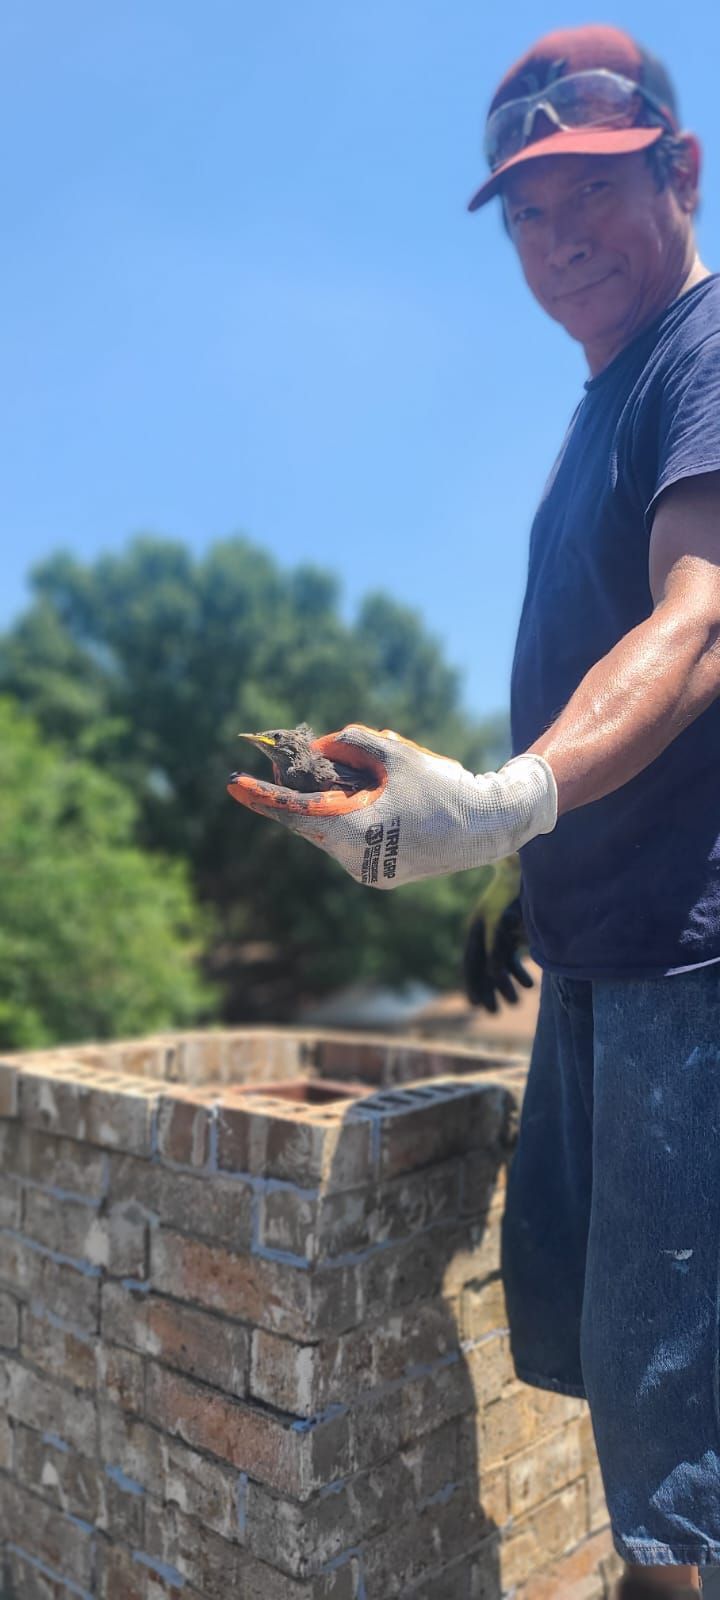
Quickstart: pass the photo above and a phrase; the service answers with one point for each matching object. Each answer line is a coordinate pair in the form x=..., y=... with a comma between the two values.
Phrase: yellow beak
x=260, y=739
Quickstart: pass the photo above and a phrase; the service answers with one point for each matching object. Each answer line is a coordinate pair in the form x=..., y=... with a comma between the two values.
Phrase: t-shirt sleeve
x=688, y=421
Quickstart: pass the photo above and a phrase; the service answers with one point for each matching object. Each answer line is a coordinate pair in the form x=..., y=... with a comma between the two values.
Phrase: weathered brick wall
x=253, y=1348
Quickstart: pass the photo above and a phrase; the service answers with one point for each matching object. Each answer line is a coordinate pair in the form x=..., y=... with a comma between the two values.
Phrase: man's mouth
x=583, y=288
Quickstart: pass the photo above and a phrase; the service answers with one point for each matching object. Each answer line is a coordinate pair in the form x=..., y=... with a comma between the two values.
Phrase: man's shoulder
x=683, y=345
x=691, y=319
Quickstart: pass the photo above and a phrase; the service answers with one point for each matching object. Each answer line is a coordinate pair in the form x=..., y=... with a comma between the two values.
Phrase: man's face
x=600, y=245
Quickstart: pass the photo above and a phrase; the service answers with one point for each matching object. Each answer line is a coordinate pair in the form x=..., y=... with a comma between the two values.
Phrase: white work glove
x=425, y=816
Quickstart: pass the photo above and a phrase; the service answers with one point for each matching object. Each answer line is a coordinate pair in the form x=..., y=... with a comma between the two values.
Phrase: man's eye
x=595, y=187
x=527, y=214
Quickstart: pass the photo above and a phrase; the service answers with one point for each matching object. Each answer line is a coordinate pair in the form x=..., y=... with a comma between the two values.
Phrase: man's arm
x=632, y=704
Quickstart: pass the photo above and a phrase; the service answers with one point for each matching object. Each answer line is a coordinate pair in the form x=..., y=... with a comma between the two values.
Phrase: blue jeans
x=611, y=1244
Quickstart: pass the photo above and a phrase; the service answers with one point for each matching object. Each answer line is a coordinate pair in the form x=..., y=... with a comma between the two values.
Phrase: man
x=611, y=1231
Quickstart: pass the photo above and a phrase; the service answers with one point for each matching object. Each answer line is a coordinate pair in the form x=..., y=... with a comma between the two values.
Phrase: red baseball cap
x=558, y=55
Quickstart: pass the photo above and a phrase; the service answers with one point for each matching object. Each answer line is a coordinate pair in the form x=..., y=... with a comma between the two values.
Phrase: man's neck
x=597, y=360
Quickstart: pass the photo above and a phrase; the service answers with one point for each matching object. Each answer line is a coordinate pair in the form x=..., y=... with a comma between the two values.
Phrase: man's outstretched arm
x=632, y=704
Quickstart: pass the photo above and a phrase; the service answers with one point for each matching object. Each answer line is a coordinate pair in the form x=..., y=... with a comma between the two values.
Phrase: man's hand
x=425, y=817
x=489, y=972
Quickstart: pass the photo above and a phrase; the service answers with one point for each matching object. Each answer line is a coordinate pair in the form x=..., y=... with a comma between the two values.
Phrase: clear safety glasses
x=597, y=99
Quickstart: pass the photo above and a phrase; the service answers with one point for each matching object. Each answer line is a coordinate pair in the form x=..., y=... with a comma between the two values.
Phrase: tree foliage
x=96, y=938
x=147, y=664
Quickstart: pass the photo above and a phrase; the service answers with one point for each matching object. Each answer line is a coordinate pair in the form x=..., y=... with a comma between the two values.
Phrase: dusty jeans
x=611, y=1244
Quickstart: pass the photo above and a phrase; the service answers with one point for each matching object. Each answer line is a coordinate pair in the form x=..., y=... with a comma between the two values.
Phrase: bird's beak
x=259, y=739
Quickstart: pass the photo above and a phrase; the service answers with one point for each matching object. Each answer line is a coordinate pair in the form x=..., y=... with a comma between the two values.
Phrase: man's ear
x=685, y=174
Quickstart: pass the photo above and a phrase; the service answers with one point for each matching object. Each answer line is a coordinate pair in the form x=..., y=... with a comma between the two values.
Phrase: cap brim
x=571, y=142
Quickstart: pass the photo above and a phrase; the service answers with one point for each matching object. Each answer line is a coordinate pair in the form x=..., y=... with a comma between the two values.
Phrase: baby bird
x=296, y=765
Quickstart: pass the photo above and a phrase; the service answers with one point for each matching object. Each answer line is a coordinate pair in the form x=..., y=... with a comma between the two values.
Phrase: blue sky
x=241, y=292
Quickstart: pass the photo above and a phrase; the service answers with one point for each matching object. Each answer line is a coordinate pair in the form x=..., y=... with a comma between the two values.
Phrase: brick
x=483, y=1182
x=301, y=1539
x=550, y=1464
x=260, y=1442
x=390, y=1419
x=71, y=1294
x=32, y=1582
x=82, y=1103
x=33, y=1400
x=482, y=1308
x=490, y=1370
x=597, y=1504
x=130, y=1446
x=267, y=1293
x=300, y=1144
x=126, y=1233
x=506, y=1426
x=351, y=1056
x=124, y=1576
x=544, y=1534
x=290, y=1219
x=346, y=1221
x=244, y=1437
x=68, y=1226
x=115, y=1241
x=410, y=1270
x=55, y=1538
x=306, y=1379
x=475, y=1254
x=9, y=1321
x=213, y=1207
x=416, y=1201
x=327, y=1225
x=492, y=1490
x=400, y=1556
x=418, y=1336
x=431, y=1123
x=335, y=1303
x=184, y=1122
x=435, y=1461
x=286, y=1375
x=197, y=1342
x=257, y=1055
x=519, y=1418
x=7, y=1444
x=199, y=1057
x=170, y=1471
x=145, y=1058
x=598, y=1515
x=197, y=1554
x=202, y=1488
x=71, y=1482
x=251, y=1416
x=121, y=1377
x=60, y=1352
x=54, y=1162
x=391, y=1061
x=224, y=1569
x=453, y=1583
x=8, y=1090
x=578, y=1575
x=10, y=1202
x=587, y=1438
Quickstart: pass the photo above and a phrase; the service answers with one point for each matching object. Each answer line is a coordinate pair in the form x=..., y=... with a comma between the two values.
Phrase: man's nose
x=567, y=247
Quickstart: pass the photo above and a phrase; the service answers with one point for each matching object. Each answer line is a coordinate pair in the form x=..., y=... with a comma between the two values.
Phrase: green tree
x=149, y=663
x=96, y=938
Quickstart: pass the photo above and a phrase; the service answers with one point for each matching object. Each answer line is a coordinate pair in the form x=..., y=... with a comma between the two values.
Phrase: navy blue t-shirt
x=628, y=886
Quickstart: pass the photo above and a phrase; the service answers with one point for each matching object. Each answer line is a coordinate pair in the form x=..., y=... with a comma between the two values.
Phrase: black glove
x=485, y=972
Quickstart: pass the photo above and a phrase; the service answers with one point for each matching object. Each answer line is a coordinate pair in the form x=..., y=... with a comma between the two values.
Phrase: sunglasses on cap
x=593, y=99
